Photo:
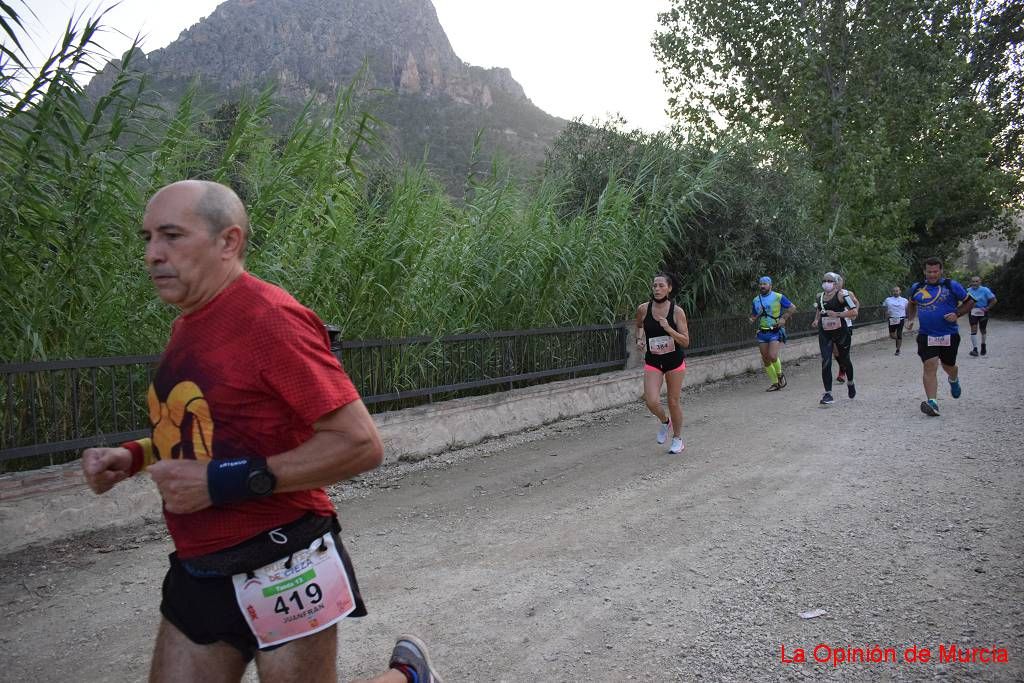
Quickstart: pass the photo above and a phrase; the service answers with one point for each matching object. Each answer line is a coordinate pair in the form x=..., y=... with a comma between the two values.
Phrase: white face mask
x=828, y=286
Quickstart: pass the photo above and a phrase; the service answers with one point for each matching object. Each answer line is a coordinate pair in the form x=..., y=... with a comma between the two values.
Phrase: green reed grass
x=379, y=249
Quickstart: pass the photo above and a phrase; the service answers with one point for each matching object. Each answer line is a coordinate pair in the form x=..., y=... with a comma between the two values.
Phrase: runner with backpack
x=770, y=311
x=941, y=302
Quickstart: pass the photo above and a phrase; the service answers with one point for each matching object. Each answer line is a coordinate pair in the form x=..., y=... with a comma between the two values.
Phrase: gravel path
x=581, y=551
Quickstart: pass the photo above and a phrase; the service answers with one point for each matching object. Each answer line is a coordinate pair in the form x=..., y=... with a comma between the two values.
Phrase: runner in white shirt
x=896, y=310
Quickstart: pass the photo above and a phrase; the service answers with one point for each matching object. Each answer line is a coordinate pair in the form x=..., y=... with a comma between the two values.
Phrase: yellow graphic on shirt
x=925, y=294
x=182, y=425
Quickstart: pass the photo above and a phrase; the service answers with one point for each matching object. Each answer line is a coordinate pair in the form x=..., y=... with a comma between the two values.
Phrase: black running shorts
x=945, y=354
x=206, y=610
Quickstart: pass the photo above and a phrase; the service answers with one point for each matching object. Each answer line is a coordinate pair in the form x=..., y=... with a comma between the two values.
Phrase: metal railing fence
x=50, y=410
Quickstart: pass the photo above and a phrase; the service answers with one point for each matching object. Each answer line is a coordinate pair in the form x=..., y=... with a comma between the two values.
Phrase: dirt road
x=583, y=552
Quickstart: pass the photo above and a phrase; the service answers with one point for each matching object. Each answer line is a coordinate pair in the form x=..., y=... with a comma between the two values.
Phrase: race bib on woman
x=282, y=603
x=977, y=312
x=659, y=346
x=941, y=340
x=831, y=323
x=895, y=321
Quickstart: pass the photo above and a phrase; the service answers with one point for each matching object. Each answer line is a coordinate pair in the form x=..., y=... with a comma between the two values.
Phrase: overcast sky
x=589, y=58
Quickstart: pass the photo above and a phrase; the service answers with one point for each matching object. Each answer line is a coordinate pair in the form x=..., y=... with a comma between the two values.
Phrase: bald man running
x=251, y=417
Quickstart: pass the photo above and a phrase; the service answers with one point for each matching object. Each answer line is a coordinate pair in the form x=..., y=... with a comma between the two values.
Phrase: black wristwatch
x=261, y=481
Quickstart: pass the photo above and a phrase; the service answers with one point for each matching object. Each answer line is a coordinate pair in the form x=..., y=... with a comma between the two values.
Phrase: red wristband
x=138, y=458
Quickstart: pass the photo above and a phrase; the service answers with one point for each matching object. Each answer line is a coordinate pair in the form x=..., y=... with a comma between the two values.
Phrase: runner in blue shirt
x=770, y=310
x=940, y=302
x=984, y=299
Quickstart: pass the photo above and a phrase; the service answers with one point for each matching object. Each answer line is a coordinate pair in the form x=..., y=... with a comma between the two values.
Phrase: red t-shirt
x=245, y=375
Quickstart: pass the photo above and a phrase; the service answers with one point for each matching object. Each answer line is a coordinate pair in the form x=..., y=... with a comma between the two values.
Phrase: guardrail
x=50, y=410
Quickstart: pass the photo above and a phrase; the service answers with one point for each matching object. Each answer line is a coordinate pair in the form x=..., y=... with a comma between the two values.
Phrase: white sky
x=589, y=58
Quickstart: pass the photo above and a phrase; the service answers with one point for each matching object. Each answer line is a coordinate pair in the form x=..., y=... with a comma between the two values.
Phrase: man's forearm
x=965, y=308
x=339, y=450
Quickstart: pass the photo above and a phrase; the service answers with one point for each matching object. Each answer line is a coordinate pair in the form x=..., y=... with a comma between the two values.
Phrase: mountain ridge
x=309, y=49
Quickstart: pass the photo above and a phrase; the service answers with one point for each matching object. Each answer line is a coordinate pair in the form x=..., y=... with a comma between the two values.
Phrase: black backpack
x=944, y=282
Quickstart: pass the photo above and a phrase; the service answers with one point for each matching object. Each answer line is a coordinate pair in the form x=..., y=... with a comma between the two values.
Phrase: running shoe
x=897, y=352
x=663, y=431
x=841, y=378
x=827, y=399
x=983, y=350
x=954, y=388
x=410, y=656
x=774, y=387
x=930, y=407
x=974, y=352
x=851, y=390
x=782, y=382
x=677, y=445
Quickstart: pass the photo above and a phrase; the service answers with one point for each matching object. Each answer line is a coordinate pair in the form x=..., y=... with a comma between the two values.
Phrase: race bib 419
x=282, y=603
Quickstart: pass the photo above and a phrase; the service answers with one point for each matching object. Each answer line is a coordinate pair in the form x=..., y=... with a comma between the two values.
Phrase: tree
x=1007, y=281
x=909, y=109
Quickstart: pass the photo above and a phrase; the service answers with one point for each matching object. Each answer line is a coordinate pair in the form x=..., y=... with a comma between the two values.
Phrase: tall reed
x=377, y=248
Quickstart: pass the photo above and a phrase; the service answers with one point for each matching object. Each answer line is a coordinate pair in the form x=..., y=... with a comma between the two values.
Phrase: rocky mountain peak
x=310, y=46
x=434, y=103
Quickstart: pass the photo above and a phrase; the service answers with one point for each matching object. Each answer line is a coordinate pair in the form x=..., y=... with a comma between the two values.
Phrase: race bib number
x=284, y=603
x=895, y=321
x=977, y=312
x=942, y=340
x=661, y=345
x=831, y=323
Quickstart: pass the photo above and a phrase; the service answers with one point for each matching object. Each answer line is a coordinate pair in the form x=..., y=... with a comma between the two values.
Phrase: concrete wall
x=54, y=502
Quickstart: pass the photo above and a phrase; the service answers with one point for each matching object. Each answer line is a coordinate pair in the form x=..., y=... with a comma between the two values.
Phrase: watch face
x=261, y=482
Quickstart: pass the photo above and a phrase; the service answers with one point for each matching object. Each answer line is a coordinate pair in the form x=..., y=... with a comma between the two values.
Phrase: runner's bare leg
x=176, y=658
x=674, y=384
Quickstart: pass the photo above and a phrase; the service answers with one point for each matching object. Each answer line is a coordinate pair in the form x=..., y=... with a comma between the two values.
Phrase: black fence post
x=334, y=334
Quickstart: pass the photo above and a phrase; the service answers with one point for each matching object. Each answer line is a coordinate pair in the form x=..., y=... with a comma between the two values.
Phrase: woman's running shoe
x=663, y=431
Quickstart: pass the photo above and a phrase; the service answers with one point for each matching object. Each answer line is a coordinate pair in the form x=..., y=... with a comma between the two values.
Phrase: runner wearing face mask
x=834, y=312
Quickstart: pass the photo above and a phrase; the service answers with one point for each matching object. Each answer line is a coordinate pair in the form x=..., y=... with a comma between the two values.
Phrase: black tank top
x=837, y=304
x=652, y=328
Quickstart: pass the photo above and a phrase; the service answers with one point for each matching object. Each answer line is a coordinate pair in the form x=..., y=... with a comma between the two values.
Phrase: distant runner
x=942, y=301
x=984, y=300
x=662, y=331
x=834, y=312
x=771, y=311
x=896, y=312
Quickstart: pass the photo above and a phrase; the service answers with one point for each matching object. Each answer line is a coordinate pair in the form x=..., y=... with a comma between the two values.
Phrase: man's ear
x=234, y=241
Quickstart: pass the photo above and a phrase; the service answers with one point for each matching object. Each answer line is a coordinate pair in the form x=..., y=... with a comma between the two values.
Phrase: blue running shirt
x=982, y=296
x=934, y=302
